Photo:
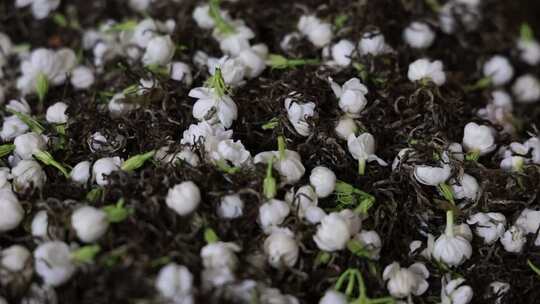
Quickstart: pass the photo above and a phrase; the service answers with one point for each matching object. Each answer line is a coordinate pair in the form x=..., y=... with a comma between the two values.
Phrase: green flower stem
x=449, y=231
x=217, y=83
x=135, y=162
x=280, y=62
x=117, y=213
x=210, y=236
x=47, y=159
x=281, y=147
x=6, y=149
x=85, y=254
x=269, y=183
x=473, y=155
x=222, y=25
x=361, y=166
x=33, y=124
x=42, y=86
x=447, y=192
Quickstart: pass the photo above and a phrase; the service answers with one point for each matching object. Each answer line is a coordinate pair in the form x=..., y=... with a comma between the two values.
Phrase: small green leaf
x=356, y=248
x=434, y=5
x=47, y=159
x=447, y=192
x=42, y=86
x=210, y=236
x=158, y=69
x=33, y=124
x=94, y=195
x=85, y=254
x=117, y=213
x=60, y=20
x=526, y=33
x=135, y=162
x=271, y=124
x=127, y=25
x=340, y=20
x=6, y=149
x=225, y=167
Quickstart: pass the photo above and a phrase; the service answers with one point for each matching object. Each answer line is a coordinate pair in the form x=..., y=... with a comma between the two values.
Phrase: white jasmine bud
x=12, y=127
x=489, y=226
x=53, y=263
x=230, y=207
x=40, y=8
x=351, y=96
x=11, y=211
x=281, y=248
x=254, y=60
x=323, y=180
x=184, y=198
x=80, y=174
x=404, y=282
x=298, y=114
x=45, y=67
x=220, y=255
x=345, y=127
x=82, y=77
x=232, y=69
x=526, y=89
x=353, y=220
x=289, y=166
x=181, y=72
x=40, y=225
x=529, y=220
x=314, y=214
x=216, y=277
x=28, y=144
x=289, y=39
x=514, y=239
x=419, y=35
x=15, y=265
x=160, y=51
x=466, y=188
x=333, y=233
x=235, y=42
x=513, y=163
x=453, y=292
x=370, y=242
x=272, y=213
x=231, y=151
x=425, y=69
x=89, y=223
x=362, y=148
x=304, y=198
x=342, y=52
x=201, y=15
x=450, y=248
x=498, y=289
x=175, y=282
x=529, y=51
x=223, y=108
x=318, y=32
x=139, y=5
x=499, y=70
x=478, y=139
x=117, y=107
x=456, y=151
x=333, y=297
x=26, y=174
x=373, y=43
x=104, y=167
x=56, y=113
x=210, y=135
